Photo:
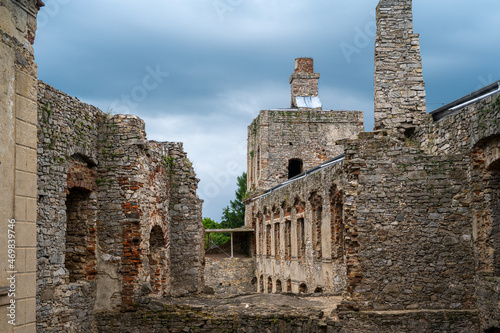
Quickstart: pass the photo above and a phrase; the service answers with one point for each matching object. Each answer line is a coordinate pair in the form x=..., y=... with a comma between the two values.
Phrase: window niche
x=316, y=224
x=80, y=234
x=295, y=167
x=157, y=260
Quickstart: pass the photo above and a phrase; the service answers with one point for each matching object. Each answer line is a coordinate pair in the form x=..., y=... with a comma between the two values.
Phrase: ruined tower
x=283, y=143
x=399, y=89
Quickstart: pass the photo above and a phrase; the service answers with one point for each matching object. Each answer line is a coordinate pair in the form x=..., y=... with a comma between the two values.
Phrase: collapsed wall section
x=108, y=200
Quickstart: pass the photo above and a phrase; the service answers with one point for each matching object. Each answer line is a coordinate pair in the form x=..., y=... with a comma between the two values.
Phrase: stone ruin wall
x=399, y=88
x=112, y=206
x=474, y=132
x=230, y=276
x=299, y=236
x=409, y=238
x=283, y=319
x=276, y=136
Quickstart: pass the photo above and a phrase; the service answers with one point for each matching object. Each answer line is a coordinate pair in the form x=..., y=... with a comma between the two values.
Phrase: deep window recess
x=294, y=167
x=77, y=216
x=157, y=257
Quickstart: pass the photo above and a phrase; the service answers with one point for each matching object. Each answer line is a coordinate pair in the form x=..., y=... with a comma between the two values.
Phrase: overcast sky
x=199, y=71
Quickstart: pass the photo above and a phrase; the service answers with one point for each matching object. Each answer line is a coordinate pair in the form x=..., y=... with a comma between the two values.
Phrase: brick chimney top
x=304, y=65
x=304, y=85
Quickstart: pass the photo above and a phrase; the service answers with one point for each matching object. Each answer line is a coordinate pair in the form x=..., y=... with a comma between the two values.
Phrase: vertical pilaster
x=18, y=168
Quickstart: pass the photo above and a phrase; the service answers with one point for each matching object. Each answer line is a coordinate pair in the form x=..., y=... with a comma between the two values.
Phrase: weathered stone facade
x=112, y=207
x=285, y=142
x=406, y=222
x=230, y=276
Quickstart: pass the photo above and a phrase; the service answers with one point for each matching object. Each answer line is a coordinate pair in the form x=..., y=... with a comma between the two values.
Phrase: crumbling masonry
x=395, y=230
x=118, y=216
x=406, y=219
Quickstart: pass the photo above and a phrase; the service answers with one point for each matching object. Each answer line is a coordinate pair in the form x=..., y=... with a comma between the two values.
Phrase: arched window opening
x=318, y=290
x=269, y=285
x=277, y=242
x=268, y=240
x=288, y=285
x=278, y=286
x=295, y=166
x=261, y=284
x=79, y=216
x=337, y=223
x=157, y=257
x=303, y=288
x=288, y=240
x=317, y=212
x=260, y=236
x=301, y=240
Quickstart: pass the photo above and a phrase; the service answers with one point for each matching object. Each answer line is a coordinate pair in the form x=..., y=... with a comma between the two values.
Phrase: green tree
x=215, y=238
x=233, y=216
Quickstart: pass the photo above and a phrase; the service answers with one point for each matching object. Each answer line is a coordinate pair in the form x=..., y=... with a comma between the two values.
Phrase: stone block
x=26, y=285
x=26, y=134
x=26, y=234
x=26, y=85
x=20, y=210
x=26, y=184
x=20, y=260
x=26, y=159
x=26, y=110
x=30, y=328
x=20, y=311
x=30, y=262
x=7, y=22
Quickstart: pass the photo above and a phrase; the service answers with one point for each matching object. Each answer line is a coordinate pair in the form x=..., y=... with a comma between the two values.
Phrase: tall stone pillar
x=18, y=168
x=399, y=86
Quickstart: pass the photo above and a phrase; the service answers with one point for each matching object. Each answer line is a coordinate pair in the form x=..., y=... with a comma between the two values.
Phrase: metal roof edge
x=456, y=105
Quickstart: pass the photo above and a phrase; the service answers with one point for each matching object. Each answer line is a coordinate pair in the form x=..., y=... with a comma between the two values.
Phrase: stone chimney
x=304, y=85
x=399, y=88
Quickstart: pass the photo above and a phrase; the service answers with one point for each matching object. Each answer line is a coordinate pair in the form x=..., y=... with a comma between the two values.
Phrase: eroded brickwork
x=304, y=82
x=111, y=207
